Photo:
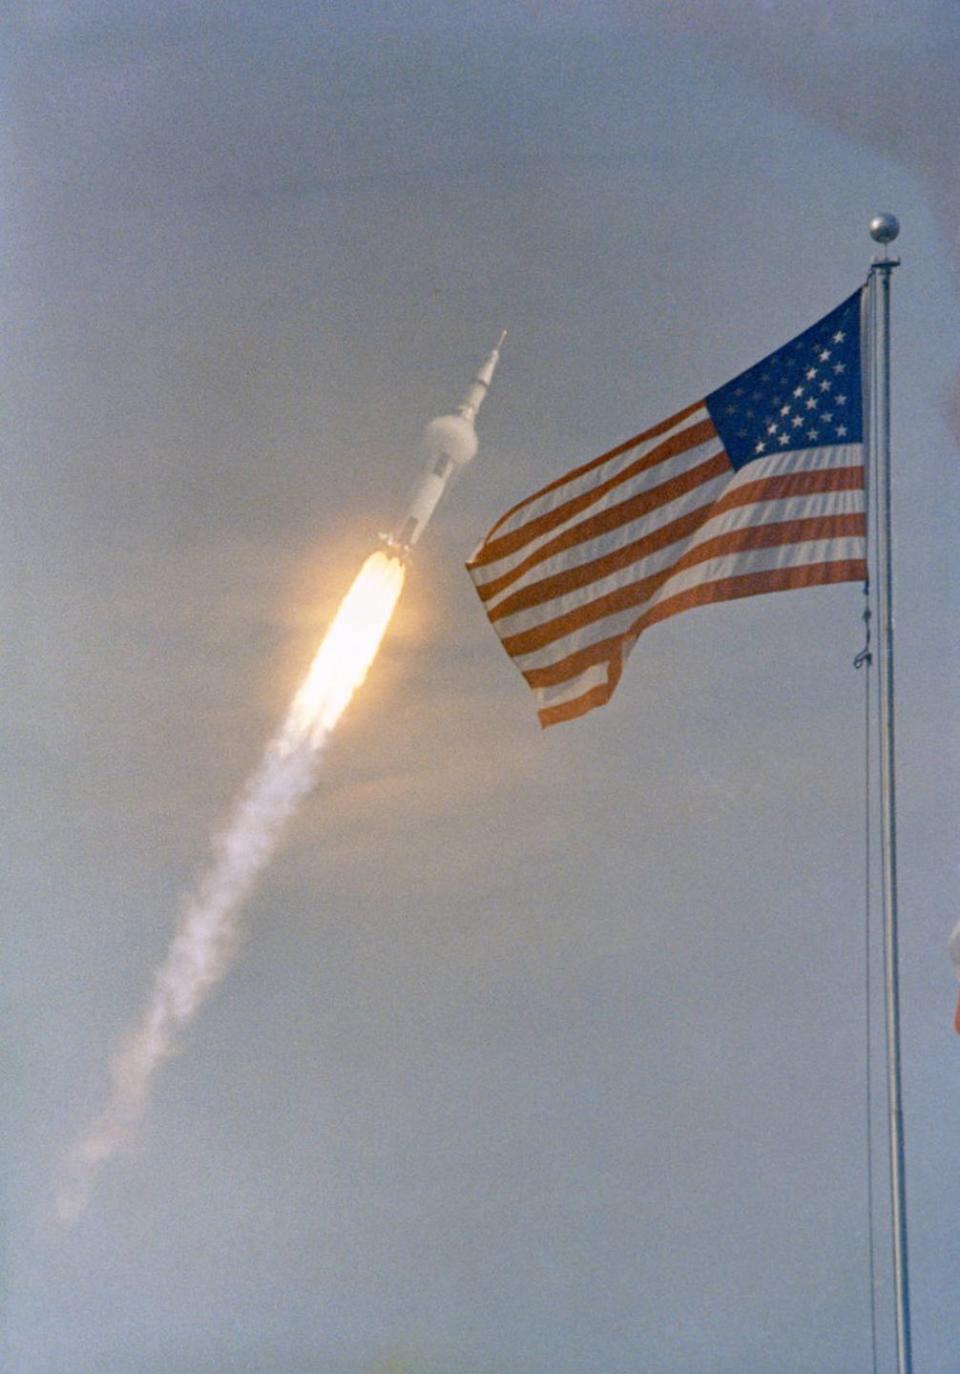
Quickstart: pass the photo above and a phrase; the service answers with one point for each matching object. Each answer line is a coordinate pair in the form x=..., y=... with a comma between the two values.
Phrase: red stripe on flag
x=785, y=532
x=705, y=594
x=754, y=584
x=572, y=476
x=493, y=549
x=582, y=574
x=579, y=706
x=609, y=520
x=570, y=667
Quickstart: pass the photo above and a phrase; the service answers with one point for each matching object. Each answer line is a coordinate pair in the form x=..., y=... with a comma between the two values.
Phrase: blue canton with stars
x=806, y=395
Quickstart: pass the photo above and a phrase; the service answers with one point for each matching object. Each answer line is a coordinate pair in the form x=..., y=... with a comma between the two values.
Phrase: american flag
x=757, y=488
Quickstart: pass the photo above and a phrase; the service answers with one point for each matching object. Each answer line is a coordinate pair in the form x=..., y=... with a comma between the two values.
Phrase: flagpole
x=884, y=229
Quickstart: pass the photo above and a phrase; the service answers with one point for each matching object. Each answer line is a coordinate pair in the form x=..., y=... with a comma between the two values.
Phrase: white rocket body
x=450, y=442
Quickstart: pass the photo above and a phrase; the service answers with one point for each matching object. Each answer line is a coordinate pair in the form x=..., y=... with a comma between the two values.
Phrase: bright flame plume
x=206, y=935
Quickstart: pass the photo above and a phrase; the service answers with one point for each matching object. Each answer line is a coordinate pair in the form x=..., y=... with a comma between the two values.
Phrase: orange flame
x=348, y=649
x=205, y=939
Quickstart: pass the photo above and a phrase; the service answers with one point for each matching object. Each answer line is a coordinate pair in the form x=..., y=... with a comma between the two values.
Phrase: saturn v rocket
x=450, y=442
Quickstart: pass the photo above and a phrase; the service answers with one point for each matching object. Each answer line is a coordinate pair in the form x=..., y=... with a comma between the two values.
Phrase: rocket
x=450, y=442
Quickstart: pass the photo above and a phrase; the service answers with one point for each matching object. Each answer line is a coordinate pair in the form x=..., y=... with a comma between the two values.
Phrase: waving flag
x=758, y=488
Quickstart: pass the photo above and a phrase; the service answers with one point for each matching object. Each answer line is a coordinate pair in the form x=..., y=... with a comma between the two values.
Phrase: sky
x=543, y=1053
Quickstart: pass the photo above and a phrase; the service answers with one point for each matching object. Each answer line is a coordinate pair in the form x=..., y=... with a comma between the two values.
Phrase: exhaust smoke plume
x=203, y=945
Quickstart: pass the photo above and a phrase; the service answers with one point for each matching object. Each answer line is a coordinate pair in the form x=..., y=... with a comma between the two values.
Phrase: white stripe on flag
x=736, y=518
x=713, y=570
x=560, y=692
x=578, y=554
x=540, y=503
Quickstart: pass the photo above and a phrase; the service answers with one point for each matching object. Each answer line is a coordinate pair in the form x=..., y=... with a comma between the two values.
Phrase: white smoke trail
x=955, y=956
x=206, y=935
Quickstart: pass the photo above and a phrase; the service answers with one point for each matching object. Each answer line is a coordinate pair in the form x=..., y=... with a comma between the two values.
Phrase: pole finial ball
x=884, y=228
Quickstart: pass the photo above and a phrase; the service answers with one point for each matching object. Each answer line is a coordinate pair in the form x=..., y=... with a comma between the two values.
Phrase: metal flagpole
x=884, y=229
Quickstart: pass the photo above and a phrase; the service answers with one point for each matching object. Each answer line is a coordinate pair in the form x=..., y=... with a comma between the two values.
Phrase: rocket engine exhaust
x=206, y=935
x=204, y=943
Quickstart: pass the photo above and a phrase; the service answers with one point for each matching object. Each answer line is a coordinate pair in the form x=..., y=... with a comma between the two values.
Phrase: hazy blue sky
x=544, y=1053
